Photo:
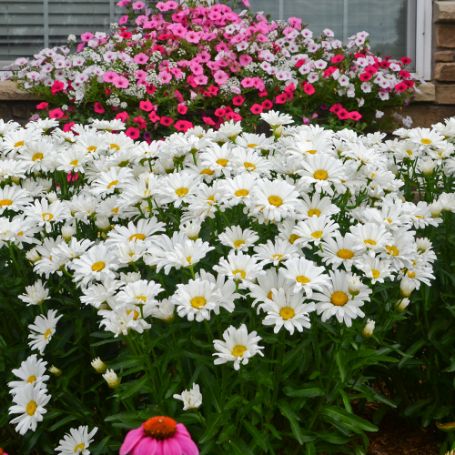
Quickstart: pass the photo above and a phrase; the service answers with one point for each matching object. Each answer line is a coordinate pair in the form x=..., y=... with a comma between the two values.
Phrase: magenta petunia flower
x=158, y=436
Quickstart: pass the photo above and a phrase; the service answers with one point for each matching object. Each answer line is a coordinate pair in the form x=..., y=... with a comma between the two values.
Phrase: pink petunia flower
x=159, y=435
x=141, y=58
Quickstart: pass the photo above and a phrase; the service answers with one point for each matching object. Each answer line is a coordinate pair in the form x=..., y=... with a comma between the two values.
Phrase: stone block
x=444, y=56
x=425, y=92
x=444, y=72
x=445, y=35
x=444, y=11
x=10, y=91
x=445, y=94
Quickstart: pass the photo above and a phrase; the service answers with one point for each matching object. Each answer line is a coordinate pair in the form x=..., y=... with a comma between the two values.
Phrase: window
x=30, y=25
x=396, y=27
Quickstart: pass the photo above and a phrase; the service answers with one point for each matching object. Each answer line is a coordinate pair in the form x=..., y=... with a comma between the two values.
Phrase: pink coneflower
x=159, y=435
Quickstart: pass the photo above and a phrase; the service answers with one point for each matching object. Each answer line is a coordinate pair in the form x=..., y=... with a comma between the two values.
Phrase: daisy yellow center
x=370, y=242
x=207, y=171
x=160, y=427
x=47, y=333
x=47, y=216
x=115, y=210
x=112, y=184
x=270, y=295
x=189, y=259
x=293, y=238
x=5, y=202
x=31, y=379
x=317, y=234
x=314, y=212
x=182, y=191
x=239, y=243
x=19, y=144
x=339, y=298
x=98, y=266
x=345, y=253
x=312, y=151
x=250, y=166
x=277, y=256
x=389, y=220
x=31, y=407
x=20, y=234
x=242, y=192
x=137, y=236
x=239, y=273
x=302, y=279
x=38, y=156
x=115, y=147
x=141, y=298
x=411, y=274
x=426, y=141
x=375, y=273
x=79, y=447
x=92, y=148
x=211, y=199
x=238, y=350
x=392, y=250
x=287, y=313
x=321, y=174
x=223, y=162
x=252, y=146
x=74, y=162
x=198, y=302
x=276, y=201
x=409, y=152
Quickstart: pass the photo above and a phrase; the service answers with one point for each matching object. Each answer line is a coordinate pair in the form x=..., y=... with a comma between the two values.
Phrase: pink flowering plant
x=169, y=66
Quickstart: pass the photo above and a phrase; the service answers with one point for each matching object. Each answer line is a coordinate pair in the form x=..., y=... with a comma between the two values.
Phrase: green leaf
x=293, y=421
x=305, y=392
x=347, y=420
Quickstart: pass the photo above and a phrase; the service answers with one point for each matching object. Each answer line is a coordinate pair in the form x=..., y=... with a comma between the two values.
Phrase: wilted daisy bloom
x=77, y=441
x=288, y=311
x=191, y=398
x=29, y=401
x=338, y=300
x=42, y=330
x=31, y=371
x=158, y=436
x=35, y=294
x=237, y=346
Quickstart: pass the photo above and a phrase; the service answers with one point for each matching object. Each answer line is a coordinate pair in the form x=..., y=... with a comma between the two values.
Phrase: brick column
x=444, y=52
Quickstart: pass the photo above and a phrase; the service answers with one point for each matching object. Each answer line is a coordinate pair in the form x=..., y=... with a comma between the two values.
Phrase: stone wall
x=15, y=104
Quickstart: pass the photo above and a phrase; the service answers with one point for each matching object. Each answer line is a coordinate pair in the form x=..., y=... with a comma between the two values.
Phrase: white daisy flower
x=238, y=239
x=35, y=294
x=42, y=330
x=77, y=441
x=191, y=398
x=29, y=402
x=237, y=346
x=31, y=371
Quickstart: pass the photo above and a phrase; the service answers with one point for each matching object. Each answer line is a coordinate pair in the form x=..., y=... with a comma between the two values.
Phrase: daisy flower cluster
x=304, y=226
x=168, y=66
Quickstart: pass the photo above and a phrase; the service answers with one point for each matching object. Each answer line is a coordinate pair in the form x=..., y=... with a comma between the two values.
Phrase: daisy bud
x=406, y=287
x=402, y=304
x=32, y=255
x=427, y=167
x=55, y=371
x=98, y=365
x=369, y=328
x=102, y=223
x=354, y=284
x=435, y=209
x=68, y=232
x=113, y=381
x=52, y=196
